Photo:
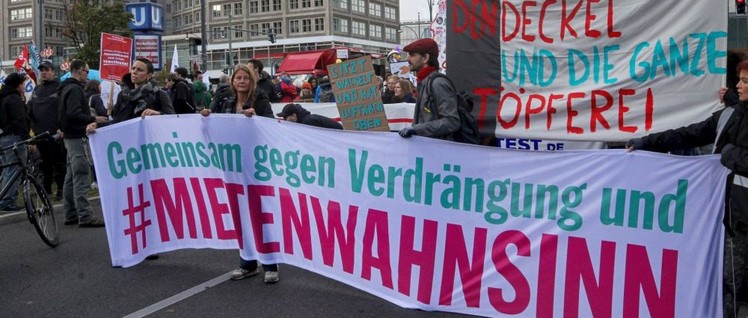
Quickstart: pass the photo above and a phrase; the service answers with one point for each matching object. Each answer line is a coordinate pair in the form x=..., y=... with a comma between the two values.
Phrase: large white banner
x=608, y=70
x=423, y=223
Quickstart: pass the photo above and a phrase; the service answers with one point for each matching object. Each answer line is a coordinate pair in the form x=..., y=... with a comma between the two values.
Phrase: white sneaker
x=241, y=273
x=271, y=277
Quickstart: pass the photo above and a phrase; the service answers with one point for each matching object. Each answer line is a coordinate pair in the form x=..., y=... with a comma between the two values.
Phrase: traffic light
x=740, y=7
x=271, y=36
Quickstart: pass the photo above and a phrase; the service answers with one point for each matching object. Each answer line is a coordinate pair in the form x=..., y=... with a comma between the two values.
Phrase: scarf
x=425, y=71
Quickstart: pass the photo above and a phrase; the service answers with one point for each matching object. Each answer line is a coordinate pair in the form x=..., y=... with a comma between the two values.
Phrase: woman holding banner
x=246, y=99
x=728, y=130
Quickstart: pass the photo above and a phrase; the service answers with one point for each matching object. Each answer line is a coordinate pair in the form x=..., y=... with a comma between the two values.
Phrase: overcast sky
x=409, y=9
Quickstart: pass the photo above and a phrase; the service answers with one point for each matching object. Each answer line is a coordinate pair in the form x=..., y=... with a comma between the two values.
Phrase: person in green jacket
x=201, y=95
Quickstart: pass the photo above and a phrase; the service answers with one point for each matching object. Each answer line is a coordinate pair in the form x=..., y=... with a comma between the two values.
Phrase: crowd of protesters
x=72, y=112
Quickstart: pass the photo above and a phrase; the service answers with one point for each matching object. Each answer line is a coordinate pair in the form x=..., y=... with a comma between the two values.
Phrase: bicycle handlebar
x=45, y=134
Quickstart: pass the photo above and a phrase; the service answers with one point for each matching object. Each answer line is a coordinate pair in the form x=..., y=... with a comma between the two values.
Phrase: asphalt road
x=76, y=279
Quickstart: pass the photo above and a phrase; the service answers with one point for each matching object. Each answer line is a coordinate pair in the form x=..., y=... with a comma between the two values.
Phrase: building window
x=306, y=3
x=177, y=22
x=265, y=6
x=358, y=28
x=340, y=25
x=178, y=6
x=390, y=13
x=254, y=6
x=306, y=25
x=238, y=8
x=375, y=31
x=226, y=10
x=319, y=24
x=216, y=9
x=375, y=9
x=255, y=28
x=266, y=27
x=16, y=50
x=219, y=32
x=277, y=5
x=342, y=4
x=293, y=26
x=23, y=32
x=319, y=3
x=197, y=17
x=358, y=6
x=238, y=33
x=20, y=14
x=277, y=27
x=59, y=15
x=390, y=34
x=293, y=4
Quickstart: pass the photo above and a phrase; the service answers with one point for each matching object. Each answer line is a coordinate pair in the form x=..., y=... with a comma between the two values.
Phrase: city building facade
x=239, y=26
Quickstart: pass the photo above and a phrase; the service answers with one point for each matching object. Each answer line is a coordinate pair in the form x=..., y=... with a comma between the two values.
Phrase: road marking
x=181, y=296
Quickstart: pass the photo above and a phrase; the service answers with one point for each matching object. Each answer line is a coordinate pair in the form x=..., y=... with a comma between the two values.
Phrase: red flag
x=22, y=59
x=22, y=63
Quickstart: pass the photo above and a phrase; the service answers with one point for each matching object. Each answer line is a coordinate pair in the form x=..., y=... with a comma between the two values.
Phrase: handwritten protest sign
x=589, y=70
x=357, y=95
x=432, y=224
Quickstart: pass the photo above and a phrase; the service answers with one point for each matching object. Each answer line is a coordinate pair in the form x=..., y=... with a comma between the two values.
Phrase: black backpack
x=468, y=132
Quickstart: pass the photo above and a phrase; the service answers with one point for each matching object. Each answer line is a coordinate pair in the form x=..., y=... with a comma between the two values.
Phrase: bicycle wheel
x=40, y=211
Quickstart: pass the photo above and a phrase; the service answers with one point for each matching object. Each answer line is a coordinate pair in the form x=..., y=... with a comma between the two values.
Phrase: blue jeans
x=8, y=157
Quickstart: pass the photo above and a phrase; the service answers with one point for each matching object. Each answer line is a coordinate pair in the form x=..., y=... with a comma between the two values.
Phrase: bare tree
x=85, y=20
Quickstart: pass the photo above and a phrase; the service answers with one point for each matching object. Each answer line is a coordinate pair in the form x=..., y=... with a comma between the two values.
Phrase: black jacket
x=182, y=98
x=259, y=102
x=13, y=113
x=131, y=103
x=732, y=145
x=266, y=86
x=94, y=101
x=305, y=117
x=42, y=108
x=75, y=114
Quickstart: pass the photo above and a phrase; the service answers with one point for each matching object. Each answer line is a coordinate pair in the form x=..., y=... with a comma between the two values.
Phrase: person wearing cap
x=42, y=111
x=306, y=95
x=727, y=129
x=15, y=127
x=435, y=114
x=297, y=114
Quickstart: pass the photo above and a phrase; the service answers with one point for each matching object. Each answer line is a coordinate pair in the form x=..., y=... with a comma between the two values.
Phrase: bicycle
x=36, y=200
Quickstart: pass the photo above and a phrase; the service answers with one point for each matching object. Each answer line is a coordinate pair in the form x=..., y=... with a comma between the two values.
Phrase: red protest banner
x=115, y=56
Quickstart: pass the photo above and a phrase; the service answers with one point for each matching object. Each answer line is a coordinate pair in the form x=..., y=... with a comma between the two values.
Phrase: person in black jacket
x=728, y=130
x=297, y=114
x=249, y=101
x=139, y=101
x=264, y=81
x=42, y=110
x=245, y=97
x=15, y=127
x=182, y=98
x=75, y=115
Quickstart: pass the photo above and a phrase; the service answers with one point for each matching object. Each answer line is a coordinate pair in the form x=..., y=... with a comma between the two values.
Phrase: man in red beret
x=436, y=113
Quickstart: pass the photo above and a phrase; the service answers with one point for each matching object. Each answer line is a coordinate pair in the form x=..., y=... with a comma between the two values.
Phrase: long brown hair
x=252, y=82
x=405, y=87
